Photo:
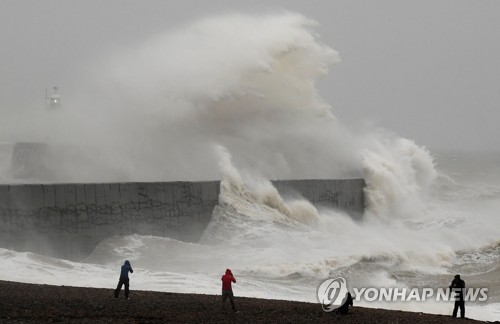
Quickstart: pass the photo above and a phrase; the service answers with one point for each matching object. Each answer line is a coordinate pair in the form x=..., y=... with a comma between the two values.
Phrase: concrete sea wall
x=69, y=220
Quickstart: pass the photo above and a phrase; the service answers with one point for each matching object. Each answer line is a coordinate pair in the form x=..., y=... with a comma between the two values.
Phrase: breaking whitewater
x=235, y=97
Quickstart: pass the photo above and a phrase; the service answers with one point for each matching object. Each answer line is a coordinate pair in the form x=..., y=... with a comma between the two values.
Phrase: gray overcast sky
x=426, y=70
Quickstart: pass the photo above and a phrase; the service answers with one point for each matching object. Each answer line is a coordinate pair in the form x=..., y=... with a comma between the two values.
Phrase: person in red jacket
x=227, y=291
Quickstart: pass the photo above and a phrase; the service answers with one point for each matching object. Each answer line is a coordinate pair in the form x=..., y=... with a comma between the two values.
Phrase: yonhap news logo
x=332, y=293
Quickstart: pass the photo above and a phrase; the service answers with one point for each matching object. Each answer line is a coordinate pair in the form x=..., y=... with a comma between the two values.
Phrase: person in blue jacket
x=124, y=280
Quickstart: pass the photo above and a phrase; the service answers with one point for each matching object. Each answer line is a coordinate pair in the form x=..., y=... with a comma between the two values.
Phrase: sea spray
x=247, y=203
x=155, y=109
x=398, y=174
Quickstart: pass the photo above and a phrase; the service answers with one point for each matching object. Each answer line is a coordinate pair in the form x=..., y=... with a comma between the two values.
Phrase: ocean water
x=284, y=249
x=234, y=97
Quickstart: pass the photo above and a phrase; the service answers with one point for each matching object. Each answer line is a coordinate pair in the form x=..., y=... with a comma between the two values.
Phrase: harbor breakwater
x=69, y=220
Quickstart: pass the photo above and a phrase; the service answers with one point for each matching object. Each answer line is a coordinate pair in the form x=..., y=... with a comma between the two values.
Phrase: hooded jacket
x=126, y=268
x=226, y=280
x=458, y=286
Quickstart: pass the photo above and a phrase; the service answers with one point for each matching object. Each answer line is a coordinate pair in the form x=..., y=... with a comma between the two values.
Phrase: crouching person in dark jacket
x=346, y=302
x=124, y=280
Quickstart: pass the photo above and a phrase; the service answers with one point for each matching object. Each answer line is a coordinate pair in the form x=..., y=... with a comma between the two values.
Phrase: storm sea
x=178, y=111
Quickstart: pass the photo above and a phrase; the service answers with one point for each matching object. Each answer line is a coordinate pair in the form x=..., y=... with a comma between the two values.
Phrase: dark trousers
x=459, y=303
x=121, y=282
x=225, y=295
